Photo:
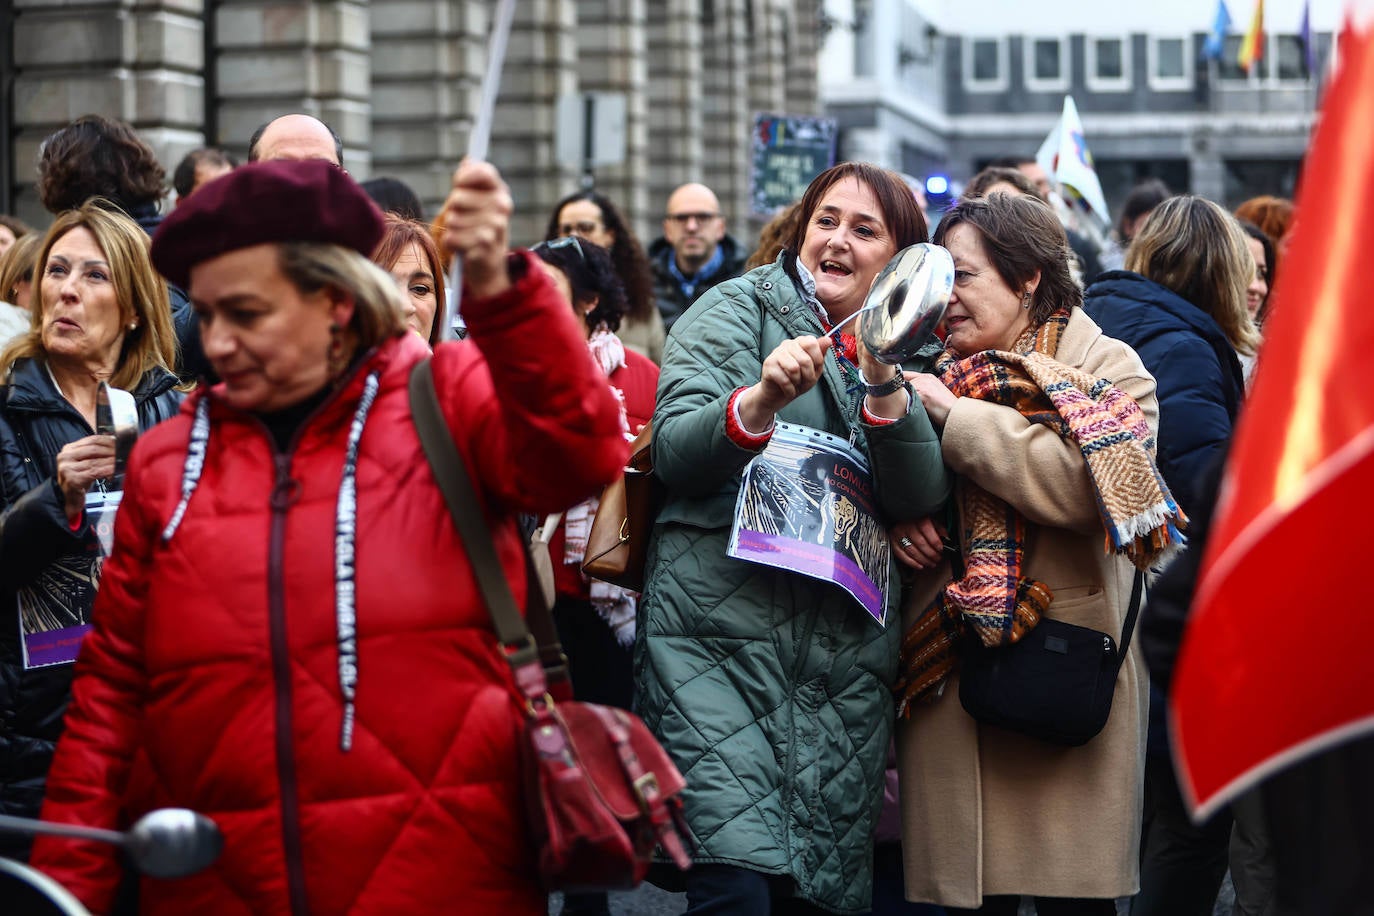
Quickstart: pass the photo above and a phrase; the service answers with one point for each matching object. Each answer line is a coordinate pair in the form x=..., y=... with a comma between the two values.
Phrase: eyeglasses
x=584, y=228
x=567, y=241
x=683, y=219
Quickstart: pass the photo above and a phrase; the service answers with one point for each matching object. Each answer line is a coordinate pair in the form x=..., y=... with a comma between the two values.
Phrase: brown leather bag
x=618, y=543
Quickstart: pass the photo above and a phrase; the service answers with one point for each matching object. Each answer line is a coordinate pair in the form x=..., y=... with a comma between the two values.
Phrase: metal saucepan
x=906, y=302
x=116, y=414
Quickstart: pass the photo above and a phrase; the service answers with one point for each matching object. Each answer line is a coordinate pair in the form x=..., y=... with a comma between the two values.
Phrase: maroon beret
x=280, y=201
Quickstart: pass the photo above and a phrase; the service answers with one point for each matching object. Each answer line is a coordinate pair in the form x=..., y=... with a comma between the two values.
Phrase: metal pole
x=478, y=141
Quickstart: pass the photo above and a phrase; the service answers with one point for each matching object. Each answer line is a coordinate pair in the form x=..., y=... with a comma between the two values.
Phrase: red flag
x=1277, y=662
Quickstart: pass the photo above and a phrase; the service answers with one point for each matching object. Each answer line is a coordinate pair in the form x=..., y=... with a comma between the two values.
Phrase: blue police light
x=937, y=185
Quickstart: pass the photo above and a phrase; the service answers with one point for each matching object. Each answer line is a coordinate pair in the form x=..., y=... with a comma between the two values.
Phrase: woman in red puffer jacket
x=288, y=637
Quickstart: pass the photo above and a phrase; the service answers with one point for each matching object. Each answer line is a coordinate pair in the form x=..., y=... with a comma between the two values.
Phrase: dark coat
x=668, y=292
x=35, y=422
x=1198, y=373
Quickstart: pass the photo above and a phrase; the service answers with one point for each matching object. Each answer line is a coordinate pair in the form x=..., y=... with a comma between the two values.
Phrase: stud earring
x=133, y=325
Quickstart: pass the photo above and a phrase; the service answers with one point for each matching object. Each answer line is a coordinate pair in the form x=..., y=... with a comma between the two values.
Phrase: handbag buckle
x=646, y=786
x=545, y=702
x=624, y=530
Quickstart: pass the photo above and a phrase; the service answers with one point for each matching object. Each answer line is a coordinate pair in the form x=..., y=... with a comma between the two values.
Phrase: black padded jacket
x=35, y=422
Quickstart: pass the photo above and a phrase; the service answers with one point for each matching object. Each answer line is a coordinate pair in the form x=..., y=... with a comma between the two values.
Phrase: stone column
x=675, y=103
x=612, y=49
x=540, y=66
x=427, y=63
x=726, y=114
x=276, y=57
x=802, y=46
x=136, y=60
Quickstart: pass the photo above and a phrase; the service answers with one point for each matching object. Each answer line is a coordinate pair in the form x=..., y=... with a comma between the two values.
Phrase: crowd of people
x=282, y=629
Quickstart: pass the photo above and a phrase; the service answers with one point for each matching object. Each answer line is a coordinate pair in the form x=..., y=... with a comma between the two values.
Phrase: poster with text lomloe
x=55, y=608
x=806, y=505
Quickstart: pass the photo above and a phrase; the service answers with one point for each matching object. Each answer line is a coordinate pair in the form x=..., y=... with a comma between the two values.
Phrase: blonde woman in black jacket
x=100, y=314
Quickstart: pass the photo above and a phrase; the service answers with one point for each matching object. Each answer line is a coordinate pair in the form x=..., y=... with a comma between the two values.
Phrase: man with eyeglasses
x=694, y=253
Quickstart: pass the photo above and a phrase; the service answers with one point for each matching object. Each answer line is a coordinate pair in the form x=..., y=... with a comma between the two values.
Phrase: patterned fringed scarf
x=614, y=604
x=1139, y=514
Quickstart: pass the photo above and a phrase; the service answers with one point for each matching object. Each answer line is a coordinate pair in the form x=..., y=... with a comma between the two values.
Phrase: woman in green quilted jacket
x=771, y=688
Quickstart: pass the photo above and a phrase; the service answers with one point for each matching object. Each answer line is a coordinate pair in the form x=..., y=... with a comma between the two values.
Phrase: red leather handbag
x=601, y=792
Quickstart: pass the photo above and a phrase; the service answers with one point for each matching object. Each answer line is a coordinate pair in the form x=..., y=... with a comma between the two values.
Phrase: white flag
x=1074, y=166
x=1044, y=156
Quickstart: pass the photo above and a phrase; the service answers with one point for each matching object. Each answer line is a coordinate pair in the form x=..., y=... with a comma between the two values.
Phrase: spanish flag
x=1252, y=48
x=1276, y=661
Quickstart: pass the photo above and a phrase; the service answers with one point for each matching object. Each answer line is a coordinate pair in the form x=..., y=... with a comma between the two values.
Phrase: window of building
x=985, y=64
x=1108, y=64
x=1047, y=64
x=1227, y=67
x=1169, y=66
x=1287, y=57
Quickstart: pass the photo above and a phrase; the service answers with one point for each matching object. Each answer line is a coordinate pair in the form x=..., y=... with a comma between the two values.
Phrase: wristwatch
x=891, y=386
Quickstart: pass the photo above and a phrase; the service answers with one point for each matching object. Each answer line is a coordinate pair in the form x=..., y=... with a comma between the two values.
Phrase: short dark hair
x=903, y=217
x=999, y=174
x=257, y=136
x=392, y=195
x=1022, y=236
x=96, y=156
x=184, y=175
x=631, y=263
x=1143, y=198
x=590, y=272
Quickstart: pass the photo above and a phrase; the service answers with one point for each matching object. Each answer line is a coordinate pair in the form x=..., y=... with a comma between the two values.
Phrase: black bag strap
x=451, y=474
x=1129, y=627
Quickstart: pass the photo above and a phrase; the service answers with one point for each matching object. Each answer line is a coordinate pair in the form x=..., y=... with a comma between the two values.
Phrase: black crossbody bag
x=1056, y=683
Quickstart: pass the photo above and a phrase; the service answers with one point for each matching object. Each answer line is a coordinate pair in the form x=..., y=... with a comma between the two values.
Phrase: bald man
x=295, y=137
x=694, y=253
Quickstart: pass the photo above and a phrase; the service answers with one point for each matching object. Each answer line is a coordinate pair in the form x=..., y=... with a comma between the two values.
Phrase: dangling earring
x=1026, y=300
x=336, y=350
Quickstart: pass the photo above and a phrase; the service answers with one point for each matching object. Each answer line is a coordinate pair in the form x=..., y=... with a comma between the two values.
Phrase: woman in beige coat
x=990, y=814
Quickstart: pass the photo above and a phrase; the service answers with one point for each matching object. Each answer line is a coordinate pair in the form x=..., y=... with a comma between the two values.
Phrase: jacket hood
x=1133, y=308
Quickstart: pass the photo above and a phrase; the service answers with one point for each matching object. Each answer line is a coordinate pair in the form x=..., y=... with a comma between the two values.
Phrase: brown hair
x=995, y=174
x=17, y=227
x=903, y=217
x=774, y=235
x=400, y=234
x=1022, y=236
x=95, y=156
x=631, y=263
x=17, y=264
x=140, y=293
x=1196, y=249
x=1273, y=215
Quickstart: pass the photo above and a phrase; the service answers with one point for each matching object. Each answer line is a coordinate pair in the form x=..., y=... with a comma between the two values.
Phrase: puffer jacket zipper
x=284, y=491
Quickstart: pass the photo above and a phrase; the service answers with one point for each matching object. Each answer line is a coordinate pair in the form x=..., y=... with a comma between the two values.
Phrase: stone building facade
x=399, y=80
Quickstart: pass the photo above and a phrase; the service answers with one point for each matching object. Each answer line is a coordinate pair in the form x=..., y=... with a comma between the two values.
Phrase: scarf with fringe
x=993, y=600
x=613, y=604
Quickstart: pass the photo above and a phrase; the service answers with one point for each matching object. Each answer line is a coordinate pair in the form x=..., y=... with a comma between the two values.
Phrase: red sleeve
x=90, y=769
x=735, y=430
x=530, y=409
